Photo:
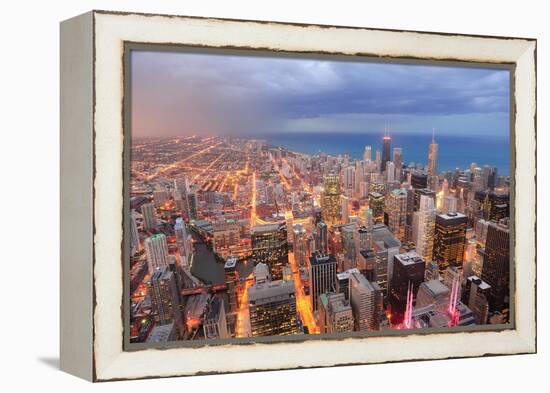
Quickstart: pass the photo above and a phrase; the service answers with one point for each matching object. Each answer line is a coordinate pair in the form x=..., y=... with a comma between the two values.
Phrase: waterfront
x=454, y=150
x=207, y=269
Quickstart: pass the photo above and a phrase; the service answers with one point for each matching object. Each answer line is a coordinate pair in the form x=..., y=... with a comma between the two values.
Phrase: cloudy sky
x=197, y=93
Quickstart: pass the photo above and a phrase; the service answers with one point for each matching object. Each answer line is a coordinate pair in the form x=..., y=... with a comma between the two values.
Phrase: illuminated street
x=243, y=315
x=303, y=302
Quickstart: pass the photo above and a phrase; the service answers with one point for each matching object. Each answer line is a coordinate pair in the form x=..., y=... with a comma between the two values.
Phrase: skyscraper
x=496, y=205
x=156, y=249
x=231, y=276
x=385, y=249
x=496, y=264
x=321, y=238
x=192, y=205
x=475, y=296
x=408, y=269
x=422, y=191
x=367, y=154
x=165, y=301
x=423, y=228
x=449, y=240
x=344, y=209
x=367, y=302
x=225, y=237
x=410, y=213
x=432, y=161
x=360, y=172
x=330, y=206
x=390, y=171
x=215, y=323
x=432, y=271
x=182, y=238
x=270, y=246
x=342, y=281
x=419, y=180
x=160, y=197
x=350, y=243
x=134, y=234
x=386, y=149
x=322, y=276
x=348, y=178
x=397, y=212
x=261, y=273
x=149, y=217
x=300, y=244
x=432, y=292
x=272, y=308
x=377, y=204
x=450, y=204
x=398, y=161
x=335, y=313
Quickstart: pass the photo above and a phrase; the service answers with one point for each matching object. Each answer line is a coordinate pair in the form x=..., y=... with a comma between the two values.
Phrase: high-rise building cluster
x=245, y=239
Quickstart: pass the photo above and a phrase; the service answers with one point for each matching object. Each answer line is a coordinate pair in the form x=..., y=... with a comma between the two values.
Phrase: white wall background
x=29, y=183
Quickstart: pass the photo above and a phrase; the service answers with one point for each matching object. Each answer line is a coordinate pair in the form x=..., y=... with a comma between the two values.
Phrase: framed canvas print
x=247, y=195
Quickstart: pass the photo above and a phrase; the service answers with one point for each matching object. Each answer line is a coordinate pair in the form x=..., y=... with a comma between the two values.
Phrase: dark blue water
x=454, y=151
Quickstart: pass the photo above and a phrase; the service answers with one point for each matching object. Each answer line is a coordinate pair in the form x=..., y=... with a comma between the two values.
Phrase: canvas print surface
x=276, y=196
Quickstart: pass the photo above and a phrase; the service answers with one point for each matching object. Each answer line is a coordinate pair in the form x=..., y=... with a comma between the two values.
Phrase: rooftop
x=345, y=274
x=451, y=216
x=436, y=288
x=319, y=259
x=230, y=263
x=479, y=282
x=161, y=333
x=362, y=281
x=409, y=258
x=269, y=290
x=265, y=228
x=391, y=242
x=399, y=192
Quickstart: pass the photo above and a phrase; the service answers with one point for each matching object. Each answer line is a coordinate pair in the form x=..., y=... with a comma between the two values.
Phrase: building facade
x=449, y=240
x=270, y=246
x=335, y=313
x=149, y=214
x=330, y=202
x=397, y=212
x=165, y=299
x=367, y=302
x=408, y=271
x=496, y=264
x=272, y=308
x=156, y=249
x=322, y=276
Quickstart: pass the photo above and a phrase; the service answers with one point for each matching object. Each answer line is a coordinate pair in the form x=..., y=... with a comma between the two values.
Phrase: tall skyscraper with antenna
x=386, y=148
x=432, y=162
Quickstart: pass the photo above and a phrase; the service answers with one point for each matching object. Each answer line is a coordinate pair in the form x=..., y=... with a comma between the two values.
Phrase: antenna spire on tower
x=433, y=134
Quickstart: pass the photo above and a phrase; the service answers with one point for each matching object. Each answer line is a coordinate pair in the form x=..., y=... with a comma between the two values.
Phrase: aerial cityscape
x=242, y=235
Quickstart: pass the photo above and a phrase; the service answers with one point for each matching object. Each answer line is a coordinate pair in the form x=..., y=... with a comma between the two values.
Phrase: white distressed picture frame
x=92, y=144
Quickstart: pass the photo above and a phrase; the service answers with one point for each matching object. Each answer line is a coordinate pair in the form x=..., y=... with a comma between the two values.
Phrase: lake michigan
x=454, y=150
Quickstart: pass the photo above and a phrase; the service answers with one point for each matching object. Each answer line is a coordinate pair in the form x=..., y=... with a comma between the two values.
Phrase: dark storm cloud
x=176, y=93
